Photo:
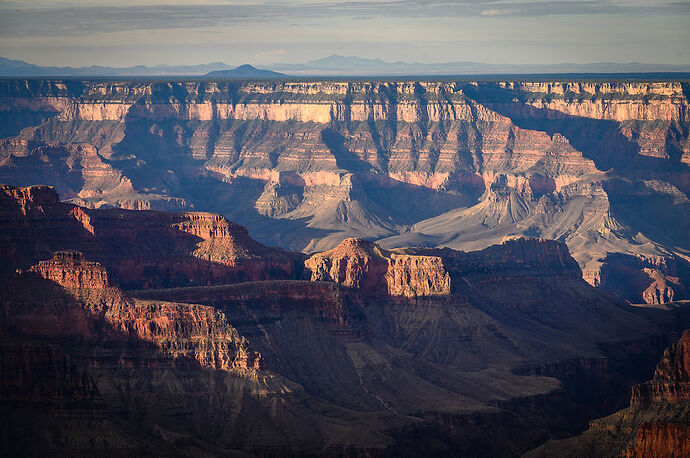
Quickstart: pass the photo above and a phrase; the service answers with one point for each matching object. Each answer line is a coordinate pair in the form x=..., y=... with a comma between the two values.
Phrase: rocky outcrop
x=31, y=196
x=70, y=270
x=354, y=263
x=671, y=381
x=357, y=263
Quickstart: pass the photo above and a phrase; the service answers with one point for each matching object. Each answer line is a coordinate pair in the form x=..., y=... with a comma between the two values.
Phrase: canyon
x=344, y=268
x=304, y=165
x=141, y=332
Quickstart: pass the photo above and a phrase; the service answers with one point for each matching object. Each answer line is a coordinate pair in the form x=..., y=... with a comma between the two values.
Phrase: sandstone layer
x=602, y=166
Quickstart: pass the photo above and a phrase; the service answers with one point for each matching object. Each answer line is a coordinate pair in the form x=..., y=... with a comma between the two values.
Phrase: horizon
x=349, y=67
x=126, y=33
x=336, y=55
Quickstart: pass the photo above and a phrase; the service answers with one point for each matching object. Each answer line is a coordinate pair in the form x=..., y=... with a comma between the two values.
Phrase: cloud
x=501, y=12
x=270, y=54
x=85, y=20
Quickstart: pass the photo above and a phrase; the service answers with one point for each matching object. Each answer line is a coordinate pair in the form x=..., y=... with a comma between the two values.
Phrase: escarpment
x=414, y=272
x=93, y=310
x=176, y=249
x=602, y=166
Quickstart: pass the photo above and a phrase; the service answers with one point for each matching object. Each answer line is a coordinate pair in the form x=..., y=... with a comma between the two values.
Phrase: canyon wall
x=230, y=347
x=304, y=165
x=657, y=423
x=139, y=249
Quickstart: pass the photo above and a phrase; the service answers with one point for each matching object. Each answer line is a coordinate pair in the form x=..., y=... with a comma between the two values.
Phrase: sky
x=183, y=32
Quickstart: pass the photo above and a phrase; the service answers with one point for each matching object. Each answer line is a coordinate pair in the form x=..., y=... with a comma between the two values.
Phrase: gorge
x=344, y=268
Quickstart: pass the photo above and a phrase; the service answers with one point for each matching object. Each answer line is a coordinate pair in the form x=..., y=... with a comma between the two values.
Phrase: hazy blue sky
x=129, y=32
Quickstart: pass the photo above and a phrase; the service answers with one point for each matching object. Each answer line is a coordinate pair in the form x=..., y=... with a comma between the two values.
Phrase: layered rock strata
x=304, y=165
x=71, y=270
x=394, y=344
x=138, y=248
x=357, y=263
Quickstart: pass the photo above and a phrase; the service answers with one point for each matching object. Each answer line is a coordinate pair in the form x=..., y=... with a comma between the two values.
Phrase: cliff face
x=671, y=381
x=139, y=249
x=660, y=439
x=657, y=423
x=305, y=165
x=91, y=310
x=357, y=263
x=71, y=270
x=413, y=272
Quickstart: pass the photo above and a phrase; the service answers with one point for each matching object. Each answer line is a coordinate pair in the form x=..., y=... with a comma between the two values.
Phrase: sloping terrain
x=602, y=166
x=354, y=351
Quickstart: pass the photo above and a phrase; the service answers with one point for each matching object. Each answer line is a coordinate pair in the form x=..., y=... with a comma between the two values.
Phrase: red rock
x=71, y=270
x=362, y=264
x=660, y=440
x=181, y=334
x=671, y=381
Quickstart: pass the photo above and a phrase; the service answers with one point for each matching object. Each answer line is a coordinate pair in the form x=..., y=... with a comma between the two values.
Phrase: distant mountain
x=334, y=65
x=10, y=67
x=337, y=65
x=245, y=71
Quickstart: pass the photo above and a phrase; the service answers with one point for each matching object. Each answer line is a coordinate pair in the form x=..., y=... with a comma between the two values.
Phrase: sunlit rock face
x=178, y=332
x=602, y=166
x=71, y=270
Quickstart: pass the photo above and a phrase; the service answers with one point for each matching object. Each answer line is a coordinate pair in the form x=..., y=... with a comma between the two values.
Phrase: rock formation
x=71, y=270
x=225, y=348
x=176, y=249
x=184, y=333
x=304, y=165
x=357, y=263
x=657, y=423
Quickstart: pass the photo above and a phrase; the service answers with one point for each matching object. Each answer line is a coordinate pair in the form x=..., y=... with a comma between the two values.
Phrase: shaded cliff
x=657, y=423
